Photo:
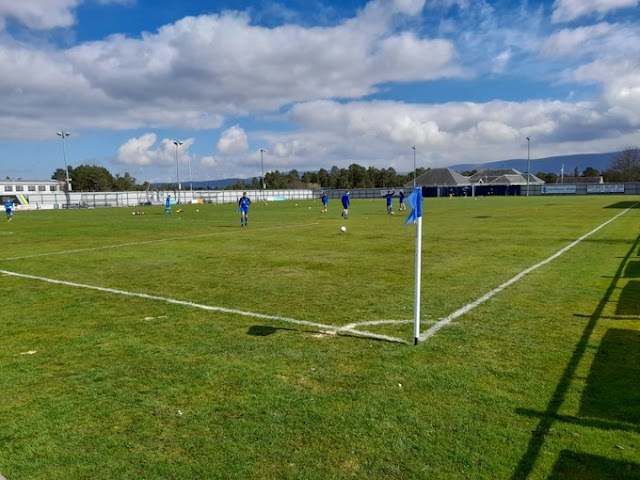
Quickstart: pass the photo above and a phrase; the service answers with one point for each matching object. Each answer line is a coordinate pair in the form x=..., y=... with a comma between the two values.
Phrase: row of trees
x=355, y=176
x=624, y=167
x=90, y=178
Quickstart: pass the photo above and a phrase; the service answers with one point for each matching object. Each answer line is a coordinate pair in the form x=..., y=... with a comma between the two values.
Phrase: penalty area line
x=321, y=326
x=467, y=308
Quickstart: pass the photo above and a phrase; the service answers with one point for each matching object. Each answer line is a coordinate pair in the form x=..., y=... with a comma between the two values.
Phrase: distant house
x=440, y=177
x=504, y=177
x=581, y=180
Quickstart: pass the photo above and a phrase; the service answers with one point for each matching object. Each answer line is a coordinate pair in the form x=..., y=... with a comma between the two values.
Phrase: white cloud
x=232, y=141
x=578, y=40
x=39, y=14
x=568, y=10
x=195, y=72
x=140, y=151
x=455, y=132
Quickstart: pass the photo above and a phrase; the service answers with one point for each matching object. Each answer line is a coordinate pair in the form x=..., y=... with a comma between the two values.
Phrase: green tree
x=547, y=177
x=59, y=175
x=358, y=177
x=91, y=178
x=124, y=183
x=590, y=172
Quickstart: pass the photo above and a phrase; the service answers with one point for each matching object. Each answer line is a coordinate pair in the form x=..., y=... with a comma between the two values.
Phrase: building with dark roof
x=440, y=177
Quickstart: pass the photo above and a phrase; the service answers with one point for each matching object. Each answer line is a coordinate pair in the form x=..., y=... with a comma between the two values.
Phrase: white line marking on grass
x=467, y=308
x=379, y=322
x=320, y=326
x=133, y=244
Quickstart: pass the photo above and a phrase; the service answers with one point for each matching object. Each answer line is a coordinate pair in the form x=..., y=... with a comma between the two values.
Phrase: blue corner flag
x=415, y=200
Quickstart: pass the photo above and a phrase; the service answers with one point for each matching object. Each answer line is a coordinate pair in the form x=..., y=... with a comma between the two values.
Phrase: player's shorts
x=244, y=210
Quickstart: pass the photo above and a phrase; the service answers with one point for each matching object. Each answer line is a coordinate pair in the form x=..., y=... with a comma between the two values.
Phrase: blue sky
x=314, y=83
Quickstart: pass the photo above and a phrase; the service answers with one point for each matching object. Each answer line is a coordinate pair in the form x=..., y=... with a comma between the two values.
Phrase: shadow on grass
x=615, y=371
x=550, y=415
x=625, y=204
x=263, y=331
x=581, y=466
x=629, y=301
x=632, y=270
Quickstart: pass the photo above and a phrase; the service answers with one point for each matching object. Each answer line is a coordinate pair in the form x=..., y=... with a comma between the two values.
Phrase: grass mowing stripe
x=147, y=242
x=331, y=328
x=470, y=306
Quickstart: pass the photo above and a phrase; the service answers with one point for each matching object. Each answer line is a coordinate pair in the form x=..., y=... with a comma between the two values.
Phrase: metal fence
x=55, y=200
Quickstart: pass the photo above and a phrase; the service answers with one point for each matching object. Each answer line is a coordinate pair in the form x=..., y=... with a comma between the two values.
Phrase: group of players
x=346, y=202
x=245, y=201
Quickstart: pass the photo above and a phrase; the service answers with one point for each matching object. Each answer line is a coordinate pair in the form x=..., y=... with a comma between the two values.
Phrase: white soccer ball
x=343, y=229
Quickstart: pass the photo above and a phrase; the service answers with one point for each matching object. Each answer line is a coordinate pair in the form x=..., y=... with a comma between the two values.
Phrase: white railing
x=54, y=200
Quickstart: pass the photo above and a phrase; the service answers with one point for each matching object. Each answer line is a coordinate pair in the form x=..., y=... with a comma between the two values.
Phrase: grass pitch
x=540, y=381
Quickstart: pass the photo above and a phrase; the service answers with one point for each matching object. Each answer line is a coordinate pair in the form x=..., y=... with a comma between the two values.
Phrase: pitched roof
x=507, y=176
x=440, y=177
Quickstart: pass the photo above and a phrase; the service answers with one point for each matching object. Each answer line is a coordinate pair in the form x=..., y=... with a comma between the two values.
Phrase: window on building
x=19, y=188
x=53, y=188
x=31, y=188
x=42, y=188
x=8, y=188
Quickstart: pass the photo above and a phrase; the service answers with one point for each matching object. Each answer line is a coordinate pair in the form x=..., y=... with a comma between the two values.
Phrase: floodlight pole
x=64, y=135
x=177, y=144
x=528, y=162
x=262, y=150
x=190, y=178
x=414, y=166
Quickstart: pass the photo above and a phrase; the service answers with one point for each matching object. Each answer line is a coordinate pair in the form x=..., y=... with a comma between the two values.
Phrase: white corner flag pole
x=416, y=307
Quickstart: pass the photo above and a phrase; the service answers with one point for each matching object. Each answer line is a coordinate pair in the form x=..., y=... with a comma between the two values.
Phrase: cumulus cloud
x=141, y=152
x=458, y=132
x=39, y=14
x=568, y=10
x=199, y=70
x=233, y=141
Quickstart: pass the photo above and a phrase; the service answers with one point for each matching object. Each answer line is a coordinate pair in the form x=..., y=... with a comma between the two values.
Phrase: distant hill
x=599, y=161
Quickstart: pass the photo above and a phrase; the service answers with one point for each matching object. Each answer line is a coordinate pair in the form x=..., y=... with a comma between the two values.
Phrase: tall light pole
x=177, y=144
x=414, y=166
x=528, y=162
x=262, y=150
x=64, y=135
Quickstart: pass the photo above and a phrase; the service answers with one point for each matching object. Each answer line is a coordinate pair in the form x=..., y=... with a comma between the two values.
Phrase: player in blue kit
x=345, y=204
x=402, y=205
x=8, y=208
x=244, y=203
x=389, y=197
x=325, y=202
x=167, y=205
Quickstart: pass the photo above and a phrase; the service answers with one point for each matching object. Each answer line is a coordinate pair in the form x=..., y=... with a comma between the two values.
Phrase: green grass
x=540, y=381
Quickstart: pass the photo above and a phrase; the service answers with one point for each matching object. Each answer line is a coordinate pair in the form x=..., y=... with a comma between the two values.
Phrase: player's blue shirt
x=244, y=203
x=345, y=200
x=401, y=197
x=168, y=202
x=389, y=197
x=8, y=207
x=325, y=199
